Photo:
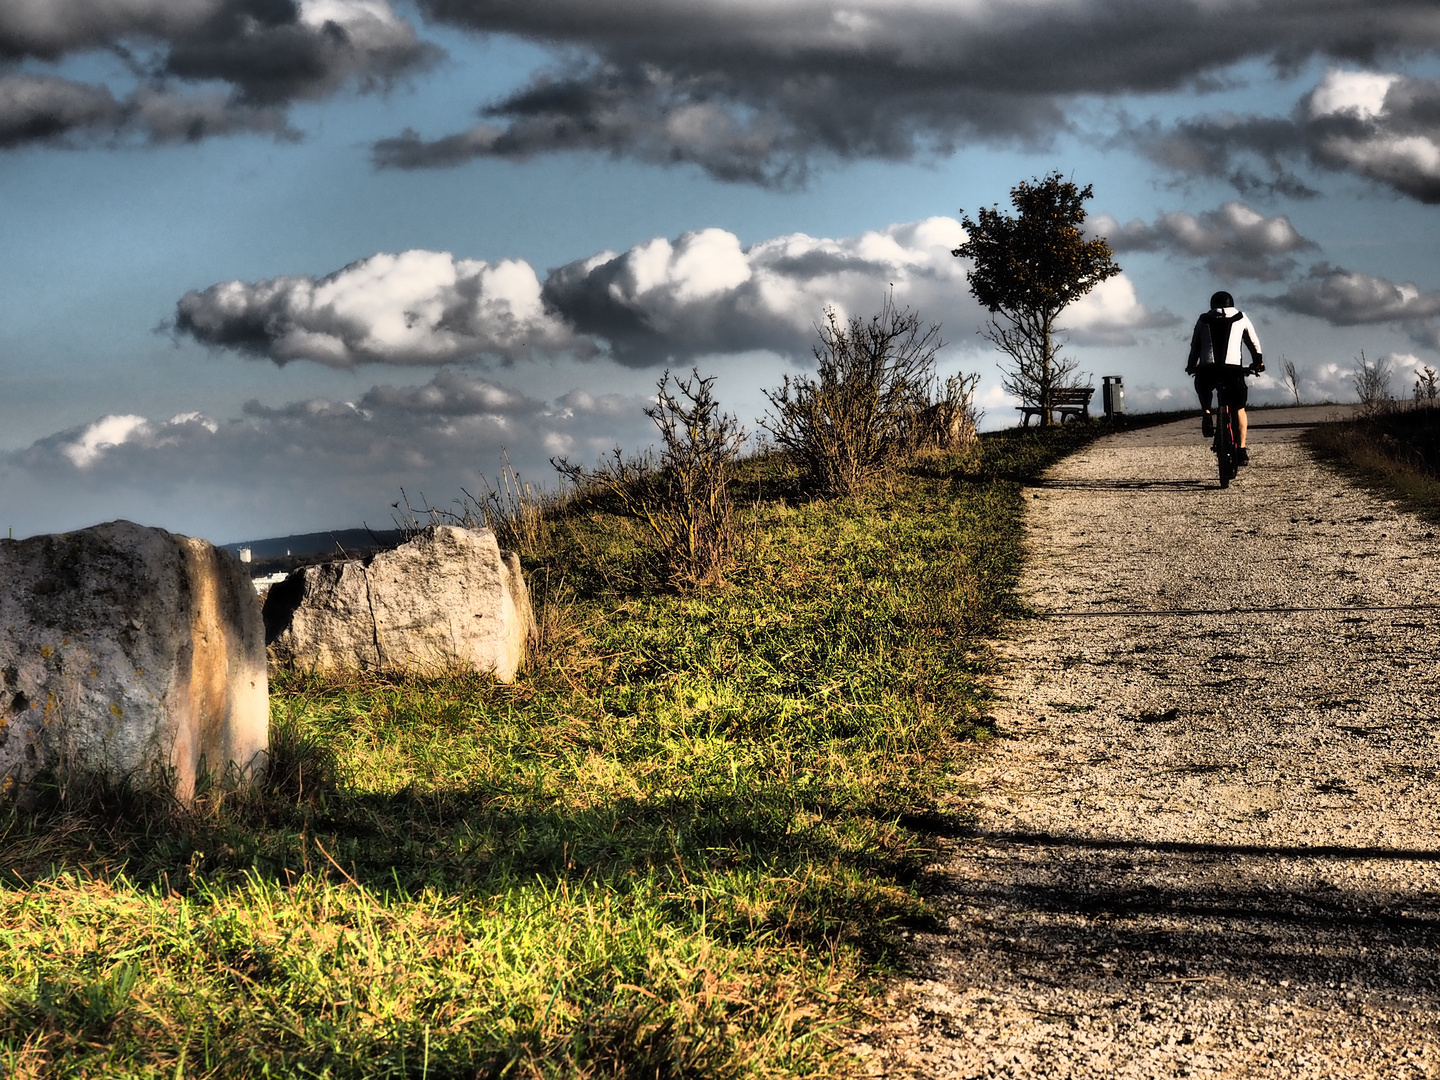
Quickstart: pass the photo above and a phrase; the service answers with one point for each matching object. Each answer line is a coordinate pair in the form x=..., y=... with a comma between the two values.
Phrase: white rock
x=448, y=598
x=125, y=650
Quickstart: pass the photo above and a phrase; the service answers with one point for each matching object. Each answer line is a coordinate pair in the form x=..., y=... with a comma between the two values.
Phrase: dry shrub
x=1372, y=385
x=1427, y=386
x=874, y=402
x=950, y=421
x=562, y=638
x=681, y=496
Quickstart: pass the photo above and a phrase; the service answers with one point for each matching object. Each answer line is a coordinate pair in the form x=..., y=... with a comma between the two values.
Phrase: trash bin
x=1112, y=395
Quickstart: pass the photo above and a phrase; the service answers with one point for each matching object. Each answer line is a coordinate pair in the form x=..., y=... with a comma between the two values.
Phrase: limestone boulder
x=129, y=652
x=447, y=598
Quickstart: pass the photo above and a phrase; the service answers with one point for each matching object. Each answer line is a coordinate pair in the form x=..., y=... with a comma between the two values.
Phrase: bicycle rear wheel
x=1224, y=446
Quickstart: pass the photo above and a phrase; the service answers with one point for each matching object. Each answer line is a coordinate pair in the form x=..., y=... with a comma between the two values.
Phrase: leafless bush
x=867, y=406
x=1372, y=384
x=1292, y=378
x=682, y=496
x=1427, y=386
x=518, y=513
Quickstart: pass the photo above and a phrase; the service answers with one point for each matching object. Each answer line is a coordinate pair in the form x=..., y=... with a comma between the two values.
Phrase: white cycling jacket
x=1218, y=336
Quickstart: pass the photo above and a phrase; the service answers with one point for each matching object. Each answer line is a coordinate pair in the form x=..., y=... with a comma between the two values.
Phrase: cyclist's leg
x=1239, y=398
x=1205, y=391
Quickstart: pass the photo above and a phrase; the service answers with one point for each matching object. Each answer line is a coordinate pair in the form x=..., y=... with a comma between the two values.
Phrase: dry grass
x=1395, y=450
x=519, y=513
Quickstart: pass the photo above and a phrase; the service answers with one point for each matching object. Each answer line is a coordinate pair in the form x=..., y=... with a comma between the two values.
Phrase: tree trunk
x=1046, y=397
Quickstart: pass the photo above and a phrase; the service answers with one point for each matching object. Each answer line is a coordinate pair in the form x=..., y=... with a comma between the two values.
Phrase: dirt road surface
x=1207, y=840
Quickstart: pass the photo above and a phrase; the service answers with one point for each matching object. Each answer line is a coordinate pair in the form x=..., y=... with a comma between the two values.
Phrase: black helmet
x=1222, y=299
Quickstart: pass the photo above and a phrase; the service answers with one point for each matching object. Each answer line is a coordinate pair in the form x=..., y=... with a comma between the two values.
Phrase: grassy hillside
x=682, y=844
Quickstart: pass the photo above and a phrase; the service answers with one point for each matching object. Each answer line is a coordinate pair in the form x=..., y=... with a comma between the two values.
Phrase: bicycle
x=1227, y=433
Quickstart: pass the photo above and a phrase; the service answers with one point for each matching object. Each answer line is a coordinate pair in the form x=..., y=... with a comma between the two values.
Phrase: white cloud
x=1335, y=381
x=1326, y=382
x=195, y=418
x=705, y=294
x=1359, y=93
x=648, y=307
x=104, y=434
x=660, y=302
x=1110, y=314
x=417, y=307
x=1151, y=397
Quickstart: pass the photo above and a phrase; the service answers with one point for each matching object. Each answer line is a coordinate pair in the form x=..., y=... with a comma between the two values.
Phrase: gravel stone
x=1205, y=842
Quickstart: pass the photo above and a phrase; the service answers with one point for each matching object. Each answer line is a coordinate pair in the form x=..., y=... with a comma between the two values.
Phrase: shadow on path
x=1121, y=915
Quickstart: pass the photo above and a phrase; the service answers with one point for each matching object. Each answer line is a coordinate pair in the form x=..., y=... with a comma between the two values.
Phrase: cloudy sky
x=266, y=263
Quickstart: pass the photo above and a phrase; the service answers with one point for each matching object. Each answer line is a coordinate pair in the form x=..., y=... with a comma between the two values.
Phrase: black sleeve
x=1197, y=343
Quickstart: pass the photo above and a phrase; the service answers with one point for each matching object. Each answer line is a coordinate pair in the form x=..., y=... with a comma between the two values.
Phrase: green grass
x=682, y=844
x=1395, y=453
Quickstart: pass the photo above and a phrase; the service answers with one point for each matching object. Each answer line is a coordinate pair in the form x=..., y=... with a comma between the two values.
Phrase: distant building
x=263, y=583
x=245, y=555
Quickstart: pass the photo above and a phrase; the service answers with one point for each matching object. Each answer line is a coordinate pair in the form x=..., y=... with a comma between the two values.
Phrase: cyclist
x=1216, y=362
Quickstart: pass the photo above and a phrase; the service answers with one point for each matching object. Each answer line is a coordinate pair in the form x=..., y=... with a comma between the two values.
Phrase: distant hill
x=303, y=545
x=289, y=552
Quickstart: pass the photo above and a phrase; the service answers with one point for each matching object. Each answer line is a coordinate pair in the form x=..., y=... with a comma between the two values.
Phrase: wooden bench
x=1069, y=401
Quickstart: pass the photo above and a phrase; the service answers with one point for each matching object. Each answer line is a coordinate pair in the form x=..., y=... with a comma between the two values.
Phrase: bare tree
x=1027, y=269
x=1292, y=378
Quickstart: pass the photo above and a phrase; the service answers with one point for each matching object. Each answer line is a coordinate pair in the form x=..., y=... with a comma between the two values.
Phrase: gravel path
x=1208, y=840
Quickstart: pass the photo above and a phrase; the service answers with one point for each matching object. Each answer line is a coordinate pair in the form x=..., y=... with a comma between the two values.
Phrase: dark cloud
x=36, y=108
x=1346, y=298
x=264, y=54
x=45, y=109
x=1381, y=126
x=276, y=51
x=307, y=464
x=760, y=92
x=764, y=129
x=1385, y=128
x=1235, y=240
x=1221, y=147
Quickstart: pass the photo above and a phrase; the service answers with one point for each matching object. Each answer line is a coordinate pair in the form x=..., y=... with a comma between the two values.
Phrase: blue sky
x=267, y=262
